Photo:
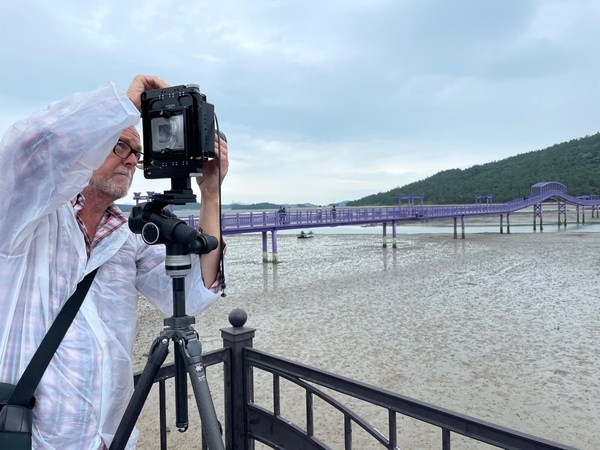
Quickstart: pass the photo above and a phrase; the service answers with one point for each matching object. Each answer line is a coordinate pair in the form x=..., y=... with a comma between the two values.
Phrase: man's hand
x=209, y=182
x=143, y=83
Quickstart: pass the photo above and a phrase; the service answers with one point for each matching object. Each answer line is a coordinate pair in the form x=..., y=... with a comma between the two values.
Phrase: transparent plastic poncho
x=45, y=161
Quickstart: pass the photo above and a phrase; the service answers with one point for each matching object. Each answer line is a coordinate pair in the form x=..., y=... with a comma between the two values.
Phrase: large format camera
x=179, y=131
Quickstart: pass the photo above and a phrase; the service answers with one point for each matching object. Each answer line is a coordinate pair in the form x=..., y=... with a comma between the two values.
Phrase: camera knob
x=150, y=233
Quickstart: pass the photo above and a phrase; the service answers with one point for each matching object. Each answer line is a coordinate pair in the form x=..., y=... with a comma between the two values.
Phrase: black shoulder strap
x=30, y=379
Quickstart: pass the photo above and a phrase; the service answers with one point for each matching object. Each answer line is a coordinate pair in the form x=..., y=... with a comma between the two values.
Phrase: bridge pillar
x=274, y=245
x=562, y=213
x=394, y=241
x=501, y=218
x=265, y=254
x=582, y=213
x=537, y=212
x=455, y=231
x=462, y=224
x=507, y=223
x=384, y=235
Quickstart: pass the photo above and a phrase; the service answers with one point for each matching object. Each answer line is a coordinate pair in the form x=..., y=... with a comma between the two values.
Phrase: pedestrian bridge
x=252, y=222
x=272, y=221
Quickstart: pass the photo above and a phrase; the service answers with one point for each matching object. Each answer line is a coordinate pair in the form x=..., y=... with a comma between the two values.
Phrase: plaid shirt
x=112, y=219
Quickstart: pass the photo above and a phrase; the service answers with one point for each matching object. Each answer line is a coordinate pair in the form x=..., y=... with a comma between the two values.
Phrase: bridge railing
x=265, y=220
x=268, y=425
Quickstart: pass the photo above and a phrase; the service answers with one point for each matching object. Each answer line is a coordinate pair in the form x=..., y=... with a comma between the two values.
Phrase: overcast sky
x=327, y=100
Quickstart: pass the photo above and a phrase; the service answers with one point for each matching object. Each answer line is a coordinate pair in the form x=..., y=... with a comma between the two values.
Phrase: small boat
x=304, y=235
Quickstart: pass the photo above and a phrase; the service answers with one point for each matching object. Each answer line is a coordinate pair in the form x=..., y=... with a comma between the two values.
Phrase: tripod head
x=157, y=225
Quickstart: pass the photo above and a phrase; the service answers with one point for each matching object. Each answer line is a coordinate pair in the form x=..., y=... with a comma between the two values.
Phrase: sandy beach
x=501, y=327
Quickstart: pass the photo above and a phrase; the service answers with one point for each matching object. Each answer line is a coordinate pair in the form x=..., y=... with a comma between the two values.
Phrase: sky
x=324, y=101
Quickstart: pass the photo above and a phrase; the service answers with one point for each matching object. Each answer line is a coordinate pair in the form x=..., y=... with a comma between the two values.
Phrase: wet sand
x=504, y=328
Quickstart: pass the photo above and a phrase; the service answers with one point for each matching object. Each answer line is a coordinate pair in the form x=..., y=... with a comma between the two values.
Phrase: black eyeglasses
x=123, y=150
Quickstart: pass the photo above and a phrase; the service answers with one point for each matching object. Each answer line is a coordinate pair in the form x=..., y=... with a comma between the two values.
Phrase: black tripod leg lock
x=159, y=350
x=192, y=347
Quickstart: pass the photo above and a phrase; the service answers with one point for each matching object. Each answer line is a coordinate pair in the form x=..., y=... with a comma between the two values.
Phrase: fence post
x=238, y=381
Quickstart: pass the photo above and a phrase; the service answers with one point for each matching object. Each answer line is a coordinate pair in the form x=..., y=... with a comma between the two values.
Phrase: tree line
x=575, y=163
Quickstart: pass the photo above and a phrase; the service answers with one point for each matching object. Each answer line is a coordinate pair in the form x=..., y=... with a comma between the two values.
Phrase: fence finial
x=238, y=318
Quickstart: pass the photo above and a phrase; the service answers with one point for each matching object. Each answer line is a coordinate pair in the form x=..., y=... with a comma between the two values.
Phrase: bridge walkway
x=271, y=221
x=252, y=222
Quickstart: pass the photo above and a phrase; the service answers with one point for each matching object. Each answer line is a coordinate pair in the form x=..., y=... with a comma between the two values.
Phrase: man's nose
x=131, y=160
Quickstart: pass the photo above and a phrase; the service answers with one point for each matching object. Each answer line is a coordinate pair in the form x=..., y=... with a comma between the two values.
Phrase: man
x=62, y=169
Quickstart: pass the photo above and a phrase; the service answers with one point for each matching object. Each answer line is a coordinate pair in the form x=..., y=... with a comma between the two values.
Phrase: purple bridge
x=272, y=221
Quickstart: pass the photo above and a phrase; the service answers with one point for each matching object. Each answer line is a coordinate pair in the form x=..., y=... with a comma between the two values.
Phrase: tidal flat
x=501, y=327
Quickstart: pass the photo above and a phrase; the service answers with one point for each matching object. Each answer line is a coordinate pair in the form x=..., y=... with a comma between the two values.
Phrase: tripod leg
x=181, y=400
x=191, y=352
x=158, y=354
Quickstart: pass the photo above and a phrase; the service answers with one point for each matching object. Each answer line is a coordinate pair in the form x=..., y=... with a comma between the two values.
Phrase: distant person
x=281, y=214
x=333, y=212
x=319, y=213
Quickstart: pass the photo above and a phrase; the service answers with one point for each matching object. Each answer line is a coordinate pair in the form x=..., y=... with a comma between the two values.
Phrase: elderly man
x=62, y=170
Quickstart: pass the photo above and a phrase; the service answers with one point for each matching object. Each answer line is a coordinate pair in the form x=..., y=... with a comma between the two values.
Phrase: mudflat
x=501, y=327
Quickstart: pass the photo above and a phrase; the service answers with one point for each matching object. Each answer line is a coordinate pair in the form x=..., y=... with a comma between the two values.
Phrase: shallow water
x=504, y=328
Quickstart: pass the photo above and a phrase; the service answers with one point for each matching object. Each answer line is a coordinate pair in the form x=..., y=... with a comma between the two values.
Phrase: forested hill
x=576, y=164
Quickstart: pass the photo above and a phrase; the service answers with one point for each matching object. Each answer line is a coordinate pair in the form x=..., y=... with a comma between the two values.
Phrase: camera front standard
x=179, y=130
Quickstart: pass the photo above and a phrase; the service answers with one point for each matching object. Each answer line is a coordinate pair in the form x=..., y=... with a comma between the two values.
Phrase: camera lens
x=167, y=133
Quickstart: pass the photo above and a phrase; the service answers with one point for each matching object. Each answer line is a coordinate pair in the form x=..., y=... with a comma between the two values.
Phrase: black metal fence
x=248, y=421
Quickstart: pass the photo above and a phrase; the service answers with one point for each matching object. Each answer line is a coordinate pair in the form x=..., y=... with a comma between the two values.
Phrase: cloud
x=324, y=100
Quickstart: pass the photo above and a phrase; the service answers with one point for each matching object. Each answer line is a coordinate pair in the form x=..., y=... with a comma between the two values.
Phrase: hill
x=576, y=164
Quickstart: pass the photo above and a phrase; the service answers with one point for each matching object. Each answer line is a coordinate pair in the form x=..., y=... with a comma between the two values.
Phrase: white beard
x=115, y=188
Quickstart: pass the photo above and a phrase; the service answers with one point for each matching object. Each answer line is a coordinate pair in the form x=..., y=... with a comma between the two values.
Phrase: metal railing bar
x=392, y=429
x=443, y=418
x=276, y=395
x=310, y=430
x=347, y=412
x=277, y=432
x=445, y=439
x=347, y=433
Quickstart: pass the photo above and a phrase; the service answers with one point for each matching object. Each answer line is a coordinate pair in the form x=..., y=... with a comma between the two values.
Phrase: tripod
x=154, y=228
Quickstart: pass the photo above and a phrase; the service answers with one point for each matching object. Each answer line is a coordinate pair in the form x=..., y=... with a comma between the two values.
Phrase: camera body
x=179, y=130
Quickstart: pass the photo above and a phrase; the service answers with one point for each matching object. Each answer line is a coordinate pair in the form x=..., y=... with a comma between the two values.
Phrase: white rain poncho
x=45, y=161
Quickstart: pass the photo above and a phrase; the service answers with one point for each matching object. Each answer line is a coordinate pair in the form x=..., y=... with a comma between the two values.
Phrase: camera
x=179, y=130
